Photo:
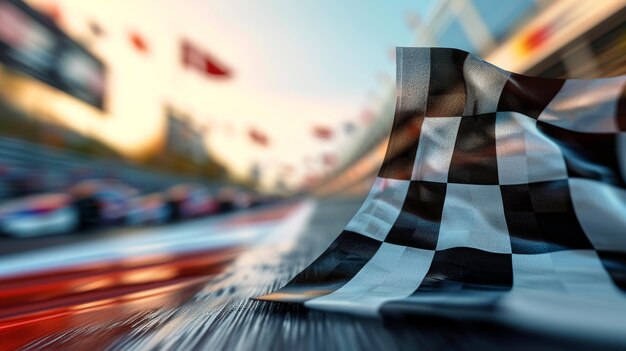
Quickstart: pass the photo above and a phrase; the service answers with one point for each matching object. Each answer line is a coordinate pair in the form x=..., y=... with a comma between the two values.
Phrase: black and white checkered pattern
x=499, y=193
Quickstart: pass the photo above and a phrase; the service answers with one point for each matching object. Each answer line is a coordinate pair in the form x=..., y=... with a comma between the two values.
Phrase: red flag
x=322, y=132
x=202, y=61
x=330, y=160
x=367, y=116
x=536, y=38
x=138, y=42
x=258, y=137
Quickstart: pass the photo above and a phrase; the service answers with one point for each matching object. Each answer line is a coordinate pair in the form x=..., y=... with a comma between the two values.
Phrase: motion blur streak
x=151, y=151
x=101, y=286
x=221, y=315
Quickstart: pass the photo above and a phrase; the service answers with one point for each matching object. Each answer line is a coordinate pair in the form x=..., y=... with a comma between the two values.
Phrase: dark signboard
x=182, y=137
x=33, y=45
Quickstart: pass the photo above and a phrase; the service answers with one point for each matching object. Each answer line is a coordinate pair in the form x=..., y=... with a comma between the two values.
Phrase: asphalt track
x=211, y=309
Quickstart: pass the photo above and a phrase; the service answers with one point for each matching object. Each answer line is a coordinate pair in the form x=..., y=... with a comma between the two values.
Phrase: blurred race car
x=102, y=202
x=246, y=199
x=231, y=199
x=190, y=200
x=149, y=209
x=37, y=215
x=87, y=205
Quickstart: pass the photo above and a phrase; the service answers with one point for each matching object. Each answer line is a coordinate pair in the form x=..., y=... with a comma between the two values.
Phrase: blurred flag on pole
x=258, y=137
x=329, y=160
x=322, y=132
x=502, y=197
x=138, y=42
x=199, y=60
x=367, y=116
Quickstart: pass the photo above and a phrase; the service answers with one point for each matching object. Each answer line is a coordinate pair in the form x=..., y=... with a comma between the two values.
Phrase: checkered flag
x=501, y=196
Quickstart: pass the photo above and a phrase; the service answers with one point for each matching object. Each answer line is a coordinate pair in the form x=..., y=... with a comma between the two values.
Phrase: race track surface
x=218, y=312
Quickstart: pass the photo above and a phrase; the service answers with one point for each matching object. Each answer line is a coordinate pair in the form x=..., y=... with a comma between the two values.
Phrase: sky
x=311, y=62
x=331, y=47
x=295, y=64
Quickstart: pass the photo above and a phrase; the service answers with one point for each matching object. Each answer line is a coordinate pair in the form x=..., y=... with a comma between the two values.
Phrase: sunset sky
x=294, y=65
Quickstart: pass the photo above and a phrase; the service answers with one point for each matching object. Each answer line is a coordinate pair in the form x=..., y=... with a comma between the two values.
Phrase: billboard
x=32, y=44
x=183, y=137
